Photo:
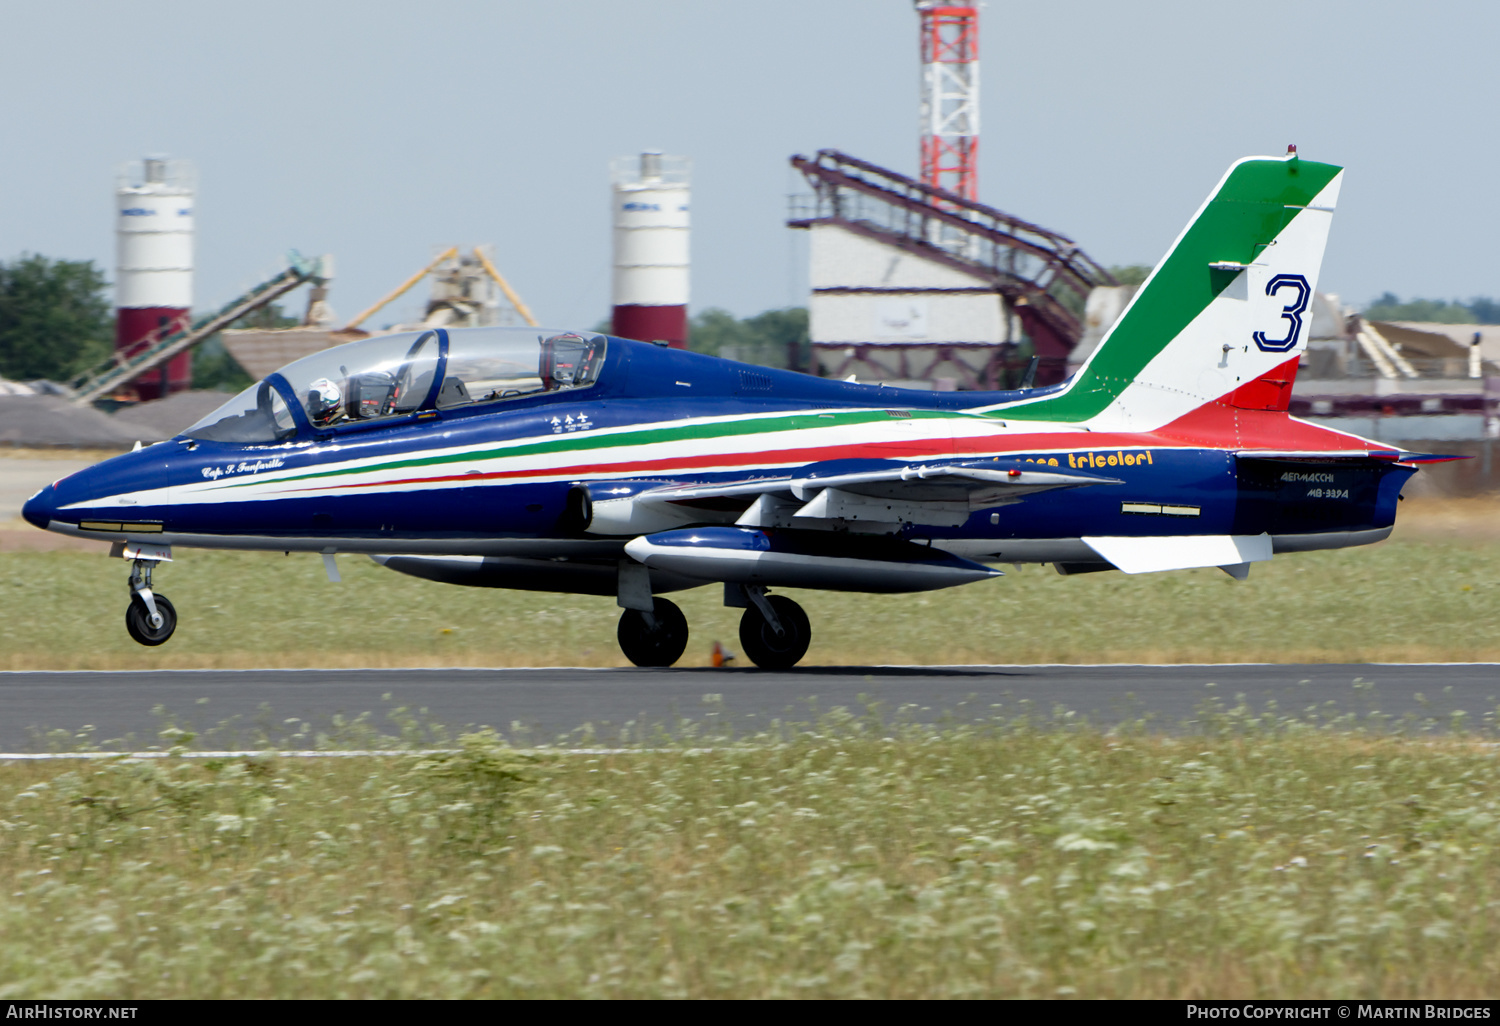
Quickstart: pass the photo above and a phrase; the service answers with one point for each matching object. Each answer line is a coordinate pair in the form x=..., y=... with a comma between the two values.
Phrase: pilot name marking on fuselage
x=214, y=473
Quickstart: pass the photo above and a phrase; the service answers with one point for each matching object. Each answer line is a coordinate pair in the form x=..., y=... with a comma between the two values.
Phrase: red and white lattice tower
x=950, y=96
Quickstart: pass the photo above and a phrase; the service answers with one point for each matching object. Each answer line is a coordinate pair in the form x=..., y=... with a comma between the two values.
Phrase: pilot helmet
x=324, y=397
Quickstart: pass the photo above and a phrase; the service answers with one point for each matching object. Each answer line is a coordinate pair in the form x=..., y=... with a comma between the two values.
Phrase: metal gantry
x=1044, y=277
x=151, y=352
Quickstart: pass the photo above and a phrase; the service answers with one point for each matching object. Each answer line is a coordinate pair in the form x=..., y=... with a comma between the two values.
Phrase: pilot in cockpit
x=564, y=361
x=325, y=402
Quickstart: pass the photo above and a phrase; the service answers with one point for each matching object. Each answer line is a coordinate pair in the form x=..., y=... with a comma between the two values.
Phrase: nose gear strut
x=151, y=619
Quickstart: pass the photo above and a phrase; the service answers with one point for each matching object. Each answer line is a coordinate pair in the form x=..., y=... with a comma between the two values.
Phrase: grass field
x=1432, y=593
x=1262, y=857
x=1269, y=858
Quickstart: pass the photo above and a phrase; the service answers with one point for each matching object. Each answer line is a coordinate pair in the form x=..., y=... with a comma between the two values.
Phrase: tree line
x=1479, y=310
x=1387, y=307
x=775, y=338
x=56, y=321
x=55, y=318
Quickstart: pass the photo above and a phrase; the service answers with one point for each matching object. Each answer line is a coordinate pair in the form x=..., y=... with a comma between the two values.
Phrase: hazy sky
x=381, y=131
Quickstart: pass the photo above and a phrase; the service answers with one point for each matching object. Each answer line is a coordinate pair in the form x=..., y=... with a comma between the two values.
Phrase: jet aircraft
x=561, y=461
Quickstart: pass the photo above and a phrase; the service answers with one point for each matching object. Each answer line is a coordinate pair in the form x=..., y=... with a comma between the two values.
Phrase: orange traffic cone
x=721, y=655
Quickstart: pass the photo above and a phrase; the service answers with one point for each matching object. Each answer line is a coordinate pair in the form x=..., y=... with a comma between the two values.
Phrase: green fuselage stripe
x=646, y=436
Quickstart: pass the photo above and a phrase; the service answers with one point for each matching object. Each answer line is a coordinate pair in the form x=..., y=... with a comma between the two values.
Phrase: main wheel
x=138, y=620
x=766, y=648
x=659, y=646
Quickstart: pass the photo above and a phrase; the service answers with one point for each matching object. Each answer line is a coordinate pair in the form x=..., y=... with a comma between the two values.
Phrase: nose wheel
x=151, y=618
x=657, y=638
x=140, y=625
x=774, y=631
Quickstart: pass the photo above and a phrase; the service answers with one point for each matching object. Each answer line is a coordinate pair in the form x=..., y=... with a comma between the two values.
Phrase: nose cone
x=41, y=508
x=47, y=505
x=127, y=487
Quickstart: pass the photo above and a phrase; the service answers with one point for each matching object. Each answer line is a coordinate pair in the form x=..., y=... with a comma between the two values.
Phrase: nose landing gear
x=151, y=618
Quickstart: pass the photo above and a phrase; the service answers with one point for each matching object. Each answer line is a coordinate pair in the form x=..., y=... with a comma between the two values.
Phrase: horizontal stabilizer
x=1315, y=456
x=1305, y=455
x=1430, y=457
x=1182, y=552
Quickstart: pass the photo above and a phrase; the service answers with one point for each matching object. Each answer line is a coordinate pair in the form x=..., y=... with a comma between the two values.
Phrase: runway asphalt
x=537, y=706
x=20, y=479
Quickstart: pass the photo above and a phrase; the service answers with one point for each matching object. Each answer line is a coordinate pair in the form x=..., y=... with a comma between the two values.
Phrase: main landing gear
x=657, y=638
x=151, y=619
x=774, y=631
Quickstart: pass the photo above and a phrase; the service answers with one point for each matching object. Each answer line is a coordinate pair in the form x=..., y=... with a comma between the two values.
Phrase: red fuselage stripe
x=915, y=449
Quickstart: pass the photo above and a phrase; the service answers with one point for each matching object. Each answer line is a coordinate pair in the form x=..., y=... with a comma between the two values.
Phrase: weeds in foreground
x=1265, y=857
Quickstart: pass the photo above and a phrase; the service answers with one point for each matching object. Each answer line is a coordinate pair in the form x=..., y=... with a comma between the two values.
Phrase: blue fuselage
x=501, y=478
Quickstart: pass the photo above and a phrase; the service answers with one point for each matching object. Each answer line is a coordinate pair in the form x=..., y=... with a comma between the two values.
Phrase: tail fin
x=1224, y=316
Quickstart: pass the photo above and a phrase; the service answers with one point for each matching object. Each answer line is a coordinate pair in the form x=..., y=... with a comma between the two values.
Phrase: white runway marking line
x=351, y=754
x=6, y=757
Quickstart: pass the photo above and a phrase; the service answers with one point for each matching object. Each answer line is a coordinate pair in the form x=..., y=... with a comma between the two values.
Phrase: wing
x=940, y=495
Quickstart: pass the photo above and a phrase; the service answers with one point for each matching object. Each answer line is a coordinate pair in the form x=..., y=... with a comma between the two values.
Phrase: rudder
x=1224, y=316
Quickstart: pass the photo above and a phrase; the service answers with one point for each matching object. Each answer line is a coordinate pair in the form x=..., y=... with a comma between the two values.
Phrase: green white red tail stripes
x=1228, y=306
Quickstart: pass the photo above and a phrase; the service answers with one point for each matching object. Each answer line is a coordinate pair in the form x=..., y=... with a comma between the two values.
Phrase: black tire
x=660, y=647
x=138, y=621
x=764, y=646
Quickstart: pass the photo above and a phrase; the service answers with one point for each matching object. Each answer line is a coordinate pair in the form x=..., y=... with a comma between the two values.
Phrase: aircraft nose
x=47, y=505
x=41, y=508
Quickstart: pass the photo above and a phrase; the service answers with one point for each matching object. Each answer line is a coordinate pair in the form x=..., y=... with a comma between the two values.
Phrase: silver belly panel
x=534, y=548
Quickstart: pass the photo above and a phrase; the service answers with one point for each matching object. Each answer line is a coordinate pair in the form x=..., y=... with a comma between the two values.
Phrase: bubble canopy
x=390, y=377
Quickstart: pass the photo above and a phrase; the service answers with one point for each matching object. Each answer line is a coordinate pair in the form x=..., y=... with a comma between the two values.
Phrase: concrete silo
x=650, y=288
x=154, y=264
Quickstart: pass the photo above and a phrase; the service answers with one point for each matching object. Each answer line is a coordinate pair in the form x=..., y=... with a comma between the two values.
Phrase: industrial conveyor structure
x=457, y=300
x=155, y=350
x=975, y=273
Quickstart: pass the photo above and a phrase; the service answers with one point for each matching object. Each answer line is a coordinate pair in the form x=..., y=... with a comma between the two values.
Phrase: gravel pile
x=165, y=418
x=48, y=420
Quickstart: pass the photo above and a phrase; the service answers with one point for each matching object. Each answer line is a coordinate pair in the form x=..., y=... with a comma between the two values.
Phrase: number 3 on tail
x=1292, y=312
